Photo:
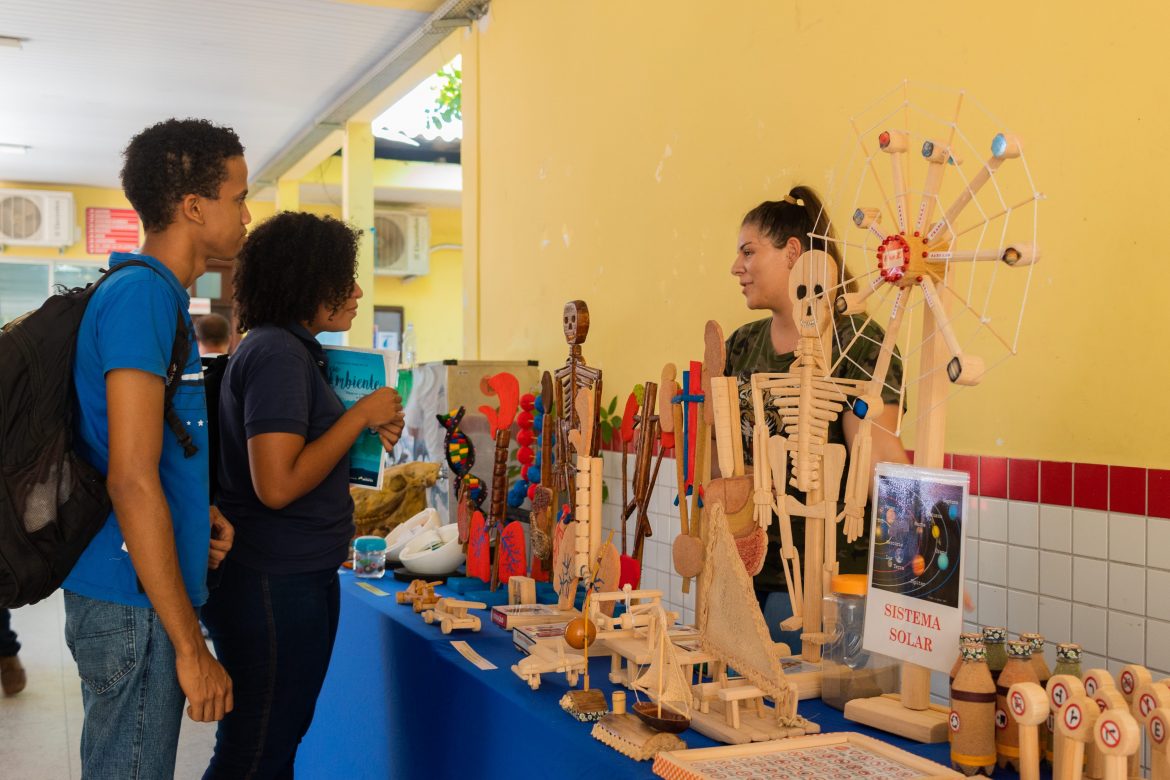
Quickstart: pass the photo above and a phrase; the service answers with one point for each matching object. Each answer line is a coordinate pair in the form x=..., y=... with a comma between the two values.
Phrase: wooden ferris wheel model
x=918, y=252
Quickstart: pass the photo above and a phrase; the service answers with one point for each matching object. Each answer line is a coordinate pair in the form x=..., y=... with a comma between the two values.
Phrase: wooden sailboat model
x=669, y=707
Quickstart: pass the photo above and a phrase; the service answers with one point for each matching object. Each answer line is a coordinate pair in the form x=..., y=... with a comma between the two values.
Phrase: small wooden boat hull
x=671, y=721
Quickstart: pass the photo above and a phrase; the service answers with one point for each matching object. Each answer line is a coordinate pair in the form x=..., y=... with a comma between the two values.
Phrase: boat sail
x=730, y=621
x=664, y=682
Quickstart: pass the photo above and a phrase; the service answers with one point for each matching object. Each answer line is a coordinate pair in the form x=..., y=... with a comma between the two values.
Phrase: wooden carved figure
x=506, y=387
x=544, y=496
x=569, y=380
x=808, y=399
x=644, y=476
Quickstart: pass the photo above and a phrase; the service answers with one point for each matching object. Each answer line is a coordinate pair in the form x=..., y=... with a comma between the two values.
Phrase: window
x=26, y=285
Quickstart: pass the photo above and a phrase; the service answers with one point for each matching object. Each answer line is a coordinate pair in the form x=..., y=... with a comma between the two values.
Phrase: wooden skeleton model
x=808, y=400
x=569, y=380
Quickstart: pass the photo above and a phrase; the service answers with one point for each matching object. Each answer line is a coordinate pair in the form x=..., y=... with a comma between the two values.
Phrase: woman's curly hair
x=172, y=159
x=292, y=264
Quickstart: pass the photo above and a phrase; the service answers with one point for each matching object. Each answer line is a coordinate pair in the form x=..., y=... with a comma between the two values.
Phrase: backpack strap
x=180, y=352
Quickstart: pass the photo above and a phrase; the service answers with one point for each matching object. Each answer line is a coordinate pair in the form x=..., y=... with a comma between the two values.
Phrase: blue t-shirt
x=130, y=322
x=275, y=383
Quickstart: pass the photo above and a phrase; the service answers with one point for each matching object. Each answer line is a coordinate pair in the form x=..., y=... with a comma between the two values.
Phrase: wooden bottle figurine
x=1158, y=728
x=972, y=719
x=1117, y=737
x=1062, y=688
x=1068, y=659
x=1028, y=705
x=1075, y=724
x=1007, y=732
x=964, y=639
x=1043, y=674
x=993, y=641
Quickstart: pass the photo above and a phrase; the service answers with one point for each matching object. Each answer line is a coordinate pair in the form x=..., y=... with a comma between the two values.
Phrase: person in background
x=213, y=333
x=131, y=600
x=284, y=482
x=12, y=676
x=771, y=237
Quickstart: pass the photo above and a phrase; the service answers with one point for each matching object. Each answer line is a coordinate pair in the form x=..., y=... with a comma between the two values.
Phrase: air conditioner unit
x=36, y=218
x=402, y=243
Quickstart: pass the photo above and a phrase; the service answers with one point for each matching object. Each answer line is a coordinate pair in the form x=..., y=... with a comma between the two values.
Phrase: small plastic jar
x=849, y=672
x=369, y=557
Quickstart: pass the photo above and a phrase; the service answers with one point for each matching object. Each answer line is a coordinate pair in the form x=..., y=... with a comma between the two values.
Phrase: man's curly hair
x=168, y=161
x=292, y=264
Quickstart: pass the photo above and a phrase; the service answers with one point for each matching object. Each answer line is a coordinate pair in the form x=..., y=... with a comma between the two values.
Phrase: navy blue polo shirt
x=275, y=383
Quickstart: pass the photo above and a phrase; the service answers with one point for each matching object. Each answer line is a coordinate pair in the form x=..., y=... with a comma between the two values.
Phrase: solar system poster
x=914, y=608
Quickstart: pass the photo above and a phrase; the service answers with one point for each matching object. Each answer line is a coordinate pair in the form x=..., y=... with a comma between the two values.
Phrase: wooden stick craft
x=1117, y=737
x=1029, y=706
x=1061, y=689
x=1075, y=724
x=1134, y=678
x=507, y=388
x=643, y=486
x=1158, y=728
x=544, y=496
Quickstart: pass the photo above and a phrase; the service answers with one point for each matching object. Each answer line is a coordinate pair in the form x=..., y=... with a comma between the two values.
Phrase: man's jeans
x=133, y=703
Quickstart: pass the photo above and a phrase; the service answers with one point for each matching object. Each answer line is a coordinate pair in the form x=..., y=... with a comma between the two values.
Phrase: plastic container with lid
x=848, y=671
x=369, y=557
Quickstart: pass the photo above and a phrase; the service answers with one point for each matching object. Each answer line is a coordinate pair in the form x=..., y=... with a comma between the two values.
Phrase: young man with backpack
x=131, y=598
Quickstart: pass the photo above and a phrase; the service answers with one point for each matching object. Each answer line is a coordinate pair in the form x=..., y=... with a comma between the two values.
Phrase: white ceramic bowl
x=405, y=531
x=434, y=551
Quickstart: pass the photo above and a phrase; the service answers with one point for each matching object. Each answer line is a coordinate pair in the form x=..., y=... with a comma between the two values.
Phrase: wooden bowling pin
x=1074, y=726
x=1007, y=733
x=964, y=639
x=1028, y=705
x=994, y=638
x=1043, y=673
x=1117, y=737
x=972, y=719
x=1068, y=659
x=1158, y=729
x=1061, y=688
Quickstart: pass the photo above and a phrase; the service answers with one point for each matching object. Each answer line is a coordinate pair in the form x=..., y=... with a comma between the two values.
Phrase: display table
x=400, y=702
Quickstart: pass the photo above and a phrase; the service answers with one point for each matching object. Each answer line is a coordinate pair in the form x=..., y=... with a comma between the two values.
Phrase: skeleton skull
x=811, y=279
x=576, y=322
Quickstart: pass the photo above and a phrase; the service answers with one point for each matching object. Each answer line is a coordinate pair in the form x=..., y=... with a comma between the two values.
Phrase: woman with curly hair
x=284, y=482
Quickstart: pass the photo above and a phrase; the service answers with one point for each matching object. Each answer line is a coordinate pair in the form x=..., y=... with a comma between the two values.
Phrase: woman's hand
x=381, y=407
x=390, y=433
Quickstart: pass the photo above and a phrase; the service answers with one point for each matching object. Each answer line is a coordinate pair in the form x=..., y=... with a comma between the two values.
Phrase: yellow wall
x=432, y=302
x=620, y=143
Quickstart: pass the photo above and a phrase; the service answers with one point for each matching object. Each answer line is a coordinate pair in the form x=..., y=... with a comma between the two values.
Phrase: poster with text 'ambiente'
x=355, y=372
x=913, y=611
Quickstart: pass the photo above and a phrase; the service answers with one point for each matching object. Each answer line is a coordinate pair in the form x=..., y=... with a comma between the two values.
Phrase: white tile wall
x=1127, y=538
x=1056, y=528
x=993, y=563
x=993, y=518
x=1023, y=523
x=1158, y=543
x=1127, y=588
x=1090, y=533
x=1091, y=581
x=1056, y=575
x=1023, y=569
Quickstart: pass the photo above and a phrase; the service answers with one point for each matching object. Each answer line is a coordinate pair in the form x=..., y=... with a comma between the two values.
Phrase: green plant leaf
x=640, y=393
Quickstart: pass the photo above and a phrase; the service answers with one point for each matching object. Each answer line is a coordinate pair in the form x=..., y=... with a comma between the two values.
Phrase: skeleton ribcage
x=806, y=405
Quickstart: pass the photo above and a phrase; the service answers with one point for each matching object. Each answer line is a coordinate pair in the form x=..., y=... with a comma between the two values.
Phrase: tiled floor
x=40, y=729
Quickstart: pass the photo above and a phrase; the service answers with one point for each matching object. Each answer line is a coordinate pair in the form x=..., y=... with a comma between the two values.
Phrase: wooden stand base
x=752, y=727
x=804, y=676
x=631, y=737
x=928, y=726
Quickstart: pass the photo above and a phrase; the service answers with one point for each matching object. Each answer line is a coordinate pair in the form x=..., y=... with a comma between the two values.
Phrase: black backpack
x=52, y=502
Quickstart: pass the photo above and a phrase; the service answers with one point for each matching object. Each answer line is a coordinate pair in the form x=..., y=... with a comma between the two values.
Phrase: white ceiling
x=93, y=74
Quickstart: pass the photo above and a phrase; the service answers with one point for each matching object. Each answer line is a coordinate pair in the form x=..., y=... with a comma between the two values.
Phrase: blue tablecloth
x=400, y=702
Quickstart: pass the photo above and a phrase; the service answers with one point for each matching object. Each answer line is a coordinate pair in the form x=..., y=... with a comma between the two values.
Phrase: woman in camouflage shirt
x=773, y=235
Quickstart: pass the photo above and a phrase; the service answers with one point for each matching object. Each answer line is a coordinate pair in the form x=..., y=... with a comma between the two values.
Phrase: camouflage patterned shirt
x=750, y=351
